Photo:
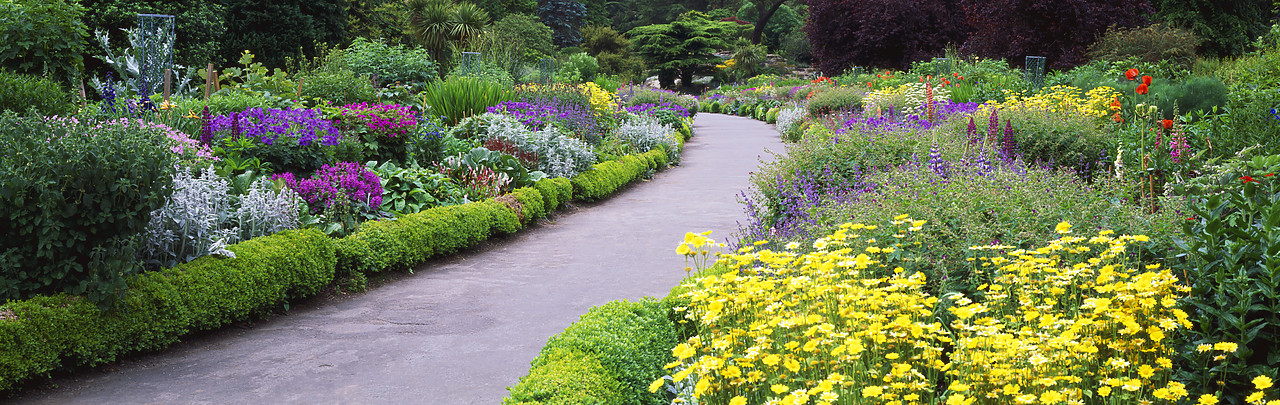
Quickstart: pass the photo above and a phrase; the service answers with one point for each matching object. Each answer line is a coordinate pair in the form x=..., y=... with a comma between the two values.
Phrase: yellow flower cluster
x=812, y=328
x=604, y=102
x=908, y=98
x=1062, y=324
x=728, y=64
x=1094, y=103
x=1065, y=323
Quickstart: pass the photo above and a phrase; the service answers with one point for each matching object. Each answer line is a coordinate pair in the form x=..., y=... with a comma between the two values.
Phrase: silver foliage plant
x=789, y=120
x=559, y=155
x=644, y=132
x=203, y=217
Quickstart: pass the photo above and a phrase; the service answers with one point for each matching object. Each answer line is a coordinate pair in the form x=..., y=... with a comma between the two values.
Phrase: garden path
x=462, y=328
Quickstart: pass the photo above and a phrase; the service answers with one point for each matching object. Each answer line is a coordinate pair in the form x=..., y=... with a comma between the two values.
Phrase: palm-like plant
x=440, y=25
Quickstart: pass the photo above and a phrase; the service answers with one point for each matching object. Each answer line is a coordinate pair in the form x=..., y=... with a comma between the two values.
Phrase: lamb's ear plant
x=1230, y=244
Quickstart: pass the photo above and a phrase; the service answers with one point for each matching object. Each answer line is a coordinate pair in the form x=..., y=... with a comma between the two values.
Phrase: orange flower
x=1117, y=118
x=961, y=77
x=1131, y=74
x=1146, y=80
x=1166, y=124
x=1115, y=104
x=1142, y=88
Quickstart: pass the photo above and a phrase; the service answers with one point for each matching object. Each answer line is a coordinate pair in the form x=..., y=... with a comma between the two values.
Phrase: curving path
x=462, y=328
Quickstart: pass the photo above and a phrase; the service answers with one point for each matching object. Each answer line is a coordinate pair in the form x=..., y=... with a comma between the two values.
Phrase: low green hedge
x=411, y=239
x=567, y=377
x=630, y=340
x=47, y=333
x=607, y=177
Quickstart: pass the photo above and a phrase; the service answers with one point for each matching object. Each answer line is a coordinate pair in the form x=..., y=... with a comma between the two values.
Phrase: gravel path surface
x=462, y=328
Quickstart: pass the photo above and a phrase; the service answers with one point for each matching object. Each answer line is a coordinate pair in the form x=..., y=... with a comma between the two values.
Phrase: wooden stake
x=84, y=98
x=298, y=95
x=168, y=84
x=208, y=81
x=217, y=83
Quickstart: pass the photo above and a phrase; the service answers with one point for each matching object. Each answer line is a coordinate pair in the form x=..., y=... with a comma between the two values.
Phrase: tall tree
x=680, y=49
x=1061, y=30
x=884, y=33
x=441, y=24
x=565, y=17
x=765, y=10
x=1226, y=27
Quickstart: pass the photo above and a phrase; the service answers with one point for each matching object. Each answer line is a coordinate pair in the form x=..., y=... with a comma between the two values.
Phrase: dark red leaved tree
x=1060, y=30
x=881, y=33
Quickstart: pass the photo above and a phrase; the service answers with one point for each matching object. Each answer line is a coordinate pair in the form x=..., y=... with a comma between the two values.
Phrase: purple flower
x=335, y=185
x=304, y=126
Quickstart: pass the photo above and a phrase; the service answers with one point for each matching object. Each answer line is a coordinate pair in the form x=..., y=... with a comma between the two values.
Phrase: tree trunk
x=765, y=14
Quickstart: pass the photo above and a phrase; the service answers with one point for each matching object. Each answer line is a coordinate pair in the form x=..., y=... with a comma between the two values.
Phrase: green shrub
x=483, y=70
x=632, y=340
x=227, y=103
x=1060, y=140
x=71, y=203
x=835, y=99
x=555, y=192
x=19, y=92
x=610, y=176
x=1152, y=43
x=457, y=98
x=566, y=377
x=578, y=68
x=1229, y=244
x=43, y=38
x=383, y=245
x=49, y=333
x=1199, y=95
x=384, y=63
x=771, y=116
x=337, y=86
x=530, y=207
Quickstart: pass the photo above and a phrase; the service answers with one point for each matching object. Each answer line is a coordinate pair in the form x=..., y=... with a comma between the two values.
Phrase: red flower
x=1146, y=80
x=1142, y=88
x=1166, y=124
x=961, y=77
x=868, y=84
x=1117, y=118
x=1115, y=104
x=1191, y=218
x=1247, y=179
x=1131, y=74
x=1269, y=175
